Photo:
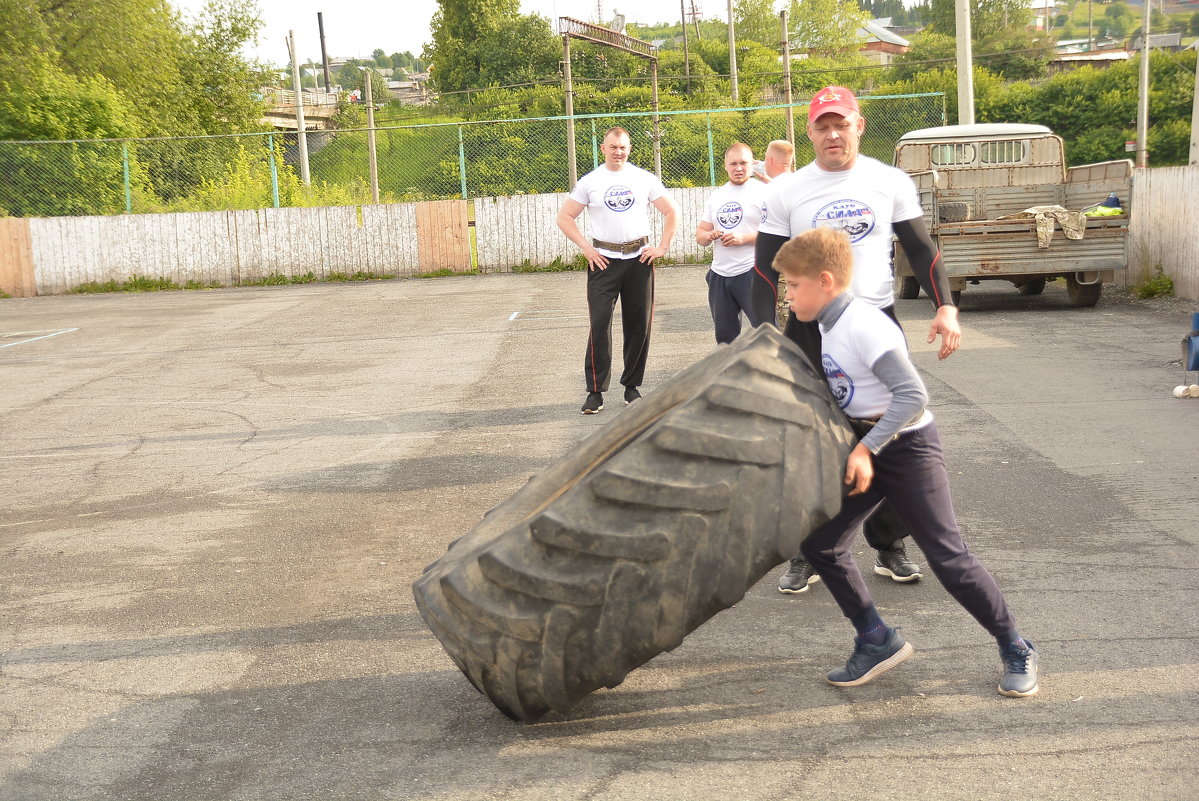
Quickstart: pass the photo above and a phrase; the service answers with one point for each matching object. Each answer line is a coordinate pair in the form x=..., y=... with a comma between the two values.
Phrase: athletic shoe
x=894, y=562
x=871, y=661
x=631, y=394
x=798, y=578
x=594, y=403
x=1019, y=669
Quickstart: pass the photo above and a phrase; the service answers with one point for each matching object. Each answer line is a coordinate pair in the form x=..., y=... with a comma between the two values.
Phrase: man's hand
x=730, y=240
x=859, y=470
x=650, y=253
x=595, y=259
x=946, y=324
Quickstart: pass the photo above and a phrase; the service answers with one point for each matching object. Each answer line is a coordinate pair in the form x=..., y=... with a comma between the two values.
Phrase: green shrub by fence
x=417, y=162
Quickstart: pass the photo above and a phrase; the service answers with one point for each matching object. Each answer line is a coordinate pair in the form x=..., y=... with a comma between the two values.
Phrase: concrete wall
x=1164, y=229
x=53, y=255
x=47, y=256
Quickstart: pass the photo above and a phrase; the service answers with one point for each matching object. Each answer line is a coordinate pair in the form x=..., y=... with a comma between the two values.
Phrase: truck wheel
x=1033, y=286
x=952, y=212
x=909, y=288
x=1082, y=294
x=661, y=519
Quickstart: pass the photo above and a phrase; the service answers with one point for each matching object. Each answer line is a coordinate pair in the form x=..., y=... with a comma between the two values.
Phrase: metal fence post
x=125, y=176
x=594, y=147
x=462, y=162
x=270, y=144
x=711, y=153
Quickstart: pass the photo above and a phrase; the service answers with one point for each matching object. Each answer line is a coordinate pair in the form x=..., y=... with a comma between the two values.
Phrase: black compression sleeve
x=925, y=259
x=764, y=288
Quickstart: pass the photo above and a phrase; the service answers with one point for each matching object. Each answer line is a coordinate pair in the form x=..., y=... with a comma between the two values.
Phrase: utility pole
x=570, y=112
x=657, y=127
x=320, y=23
x=965, y=63
x=1143, y=93
x=733, y=54
x=1195, y=118
x=787, y=76
x=1090, y=30
x=301, y=127
x=370, y=135
x=686, y=51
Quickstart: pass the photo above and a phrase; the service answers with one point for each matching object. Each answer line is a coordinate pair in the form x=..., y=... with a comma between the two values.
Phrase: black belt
x=621, y=248
x=862, y=427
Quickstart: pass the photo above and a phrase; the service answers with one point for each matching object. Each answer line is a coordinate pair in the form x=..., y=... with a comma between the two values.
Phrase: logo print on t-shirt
x=853, y=217
x=619, y=198
x=730, y=214
x=838, y=380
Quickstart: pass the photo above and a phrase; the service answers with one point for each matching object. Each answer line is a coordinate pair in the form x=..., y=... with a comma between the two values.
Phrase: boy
x=898, y=458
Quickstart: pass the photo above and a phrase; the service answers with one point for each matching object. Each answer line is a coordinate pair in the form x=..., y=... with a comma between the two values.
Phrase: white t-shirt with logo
x=861, y=335
x=617, y=204
x=863, y=201
x=736, y=210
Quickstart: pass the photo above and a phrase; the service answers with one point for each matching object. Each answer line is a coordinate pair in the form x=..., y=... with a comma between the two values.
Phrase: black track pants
x=632, y=283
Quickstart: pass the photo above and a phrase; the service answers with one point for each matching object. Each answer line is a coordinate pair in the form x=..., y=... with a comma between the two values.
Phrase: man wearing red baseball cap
x=869, y=201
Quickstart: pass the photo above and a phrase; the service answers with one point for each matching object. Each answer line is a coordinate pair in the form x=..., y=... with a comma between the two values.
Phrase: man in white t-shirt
x=620, y=261
x=870, y=201
x=730, y=225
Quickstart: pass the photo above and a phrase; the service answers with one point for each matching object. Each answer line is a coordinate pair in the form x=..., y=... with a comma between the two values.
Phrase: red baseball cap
x=832, y=100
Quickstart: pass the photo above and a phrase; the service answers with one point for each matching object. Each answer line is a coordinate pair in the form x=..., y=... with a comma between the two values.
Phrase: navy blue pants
x=632, y=283
x=910, y=473
x=728, y=297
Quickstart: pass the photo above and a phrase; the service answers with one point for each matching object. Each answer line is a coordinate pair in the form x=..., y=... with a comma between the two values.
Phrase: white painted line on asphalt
x=545, y=314
x=32, y=339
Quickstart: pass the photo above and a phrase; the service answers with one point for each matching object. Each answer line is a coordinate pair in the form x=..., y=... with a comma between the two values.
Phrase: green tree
x=459, y=28
x=523, y=49
x=381, y=59
x=755, y=20
x=826, y=27
x=987, y=17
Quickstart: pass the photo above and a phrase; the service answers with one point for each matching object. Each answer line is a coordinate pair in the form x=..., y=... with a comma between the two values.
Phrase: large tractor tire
x=652, y=525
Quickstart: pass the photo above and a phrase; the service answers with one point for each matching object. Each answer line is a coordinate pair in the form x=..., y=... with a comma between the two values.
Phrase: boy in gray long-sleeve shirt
x=899, y=458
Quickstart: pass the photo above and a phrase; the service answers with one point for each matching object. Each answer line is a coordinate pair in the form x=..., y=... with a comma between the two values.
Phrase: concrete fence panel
x=1165, y=219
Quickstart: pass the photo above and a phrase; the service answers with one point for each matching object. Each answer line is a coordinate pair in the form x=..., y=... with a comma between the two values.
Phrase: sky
x=358, y=27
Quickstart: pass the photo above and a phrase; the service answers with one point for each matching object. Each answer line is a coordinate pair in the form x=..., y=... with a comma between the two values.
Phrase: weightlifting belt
x=623, y=249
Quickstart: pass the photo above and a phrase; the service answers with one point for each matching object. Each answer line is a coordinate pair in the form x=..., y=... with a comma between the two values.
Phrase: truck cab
x=986, y=189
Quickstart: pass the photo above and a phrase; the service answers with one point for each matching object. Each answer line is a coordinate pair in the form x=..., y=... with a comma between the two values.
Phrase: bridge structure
x=319, y=108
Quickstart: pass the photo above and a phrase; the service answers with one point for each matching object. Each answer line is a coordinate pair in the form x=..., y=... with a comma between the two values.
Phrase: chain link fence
x=415, y=162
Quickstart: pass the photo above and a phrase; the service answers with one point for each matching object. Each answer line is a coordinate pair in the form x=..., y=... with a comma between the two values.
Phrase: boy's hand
x=859, y=470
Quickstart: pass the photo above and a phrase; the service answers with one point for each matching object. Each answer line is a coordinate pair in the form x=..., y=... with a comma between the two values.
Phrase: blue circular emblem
x=729, y=215
x=838, y=381
x=853, y=217
x=619, y=198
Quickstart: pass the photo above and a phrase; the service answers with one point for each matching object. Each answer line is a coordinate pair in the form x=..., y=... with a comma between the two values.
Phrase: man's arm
x=764, y=288
x=930, y=274
x=670, y=224
x=706, y=233
x=567, y=222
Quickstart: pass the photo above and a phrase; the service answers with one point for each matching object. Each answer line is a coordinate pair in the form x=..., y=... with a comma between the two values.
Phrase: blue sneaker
x=1019, y=669
x=870, y=661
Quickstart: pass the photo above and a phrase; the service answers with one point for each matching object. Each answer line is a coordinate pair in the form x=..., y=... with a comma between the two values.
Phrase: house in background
x=880, y=44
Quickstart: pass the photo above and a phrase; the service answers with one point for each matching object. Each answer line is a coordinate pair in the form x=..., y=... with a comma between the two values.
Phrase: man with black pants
x=620, y=260
x=870, y=201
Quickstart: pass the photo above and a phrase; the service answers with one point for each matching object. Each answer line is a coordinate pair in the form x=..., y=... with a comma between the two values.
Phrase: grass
x=1158, y=285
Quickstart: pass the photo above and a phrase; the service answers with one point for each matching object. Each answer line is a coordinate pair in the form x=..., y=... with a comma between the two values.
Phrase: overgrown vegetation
x=1158, y=285
x=179, y=76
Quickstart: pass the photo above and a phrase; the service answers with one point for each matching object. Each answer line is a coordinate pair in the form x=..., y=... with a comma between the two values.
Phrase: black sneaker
x=894, y=562
x=631, y=394
x=594, y=403
x=1019, y=669
x=871, y=661
x=798, y=578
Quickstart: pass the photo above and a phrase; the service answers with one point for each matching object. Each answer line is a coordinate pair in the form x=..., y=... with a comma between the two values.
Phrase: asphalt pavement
x=215, y=504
